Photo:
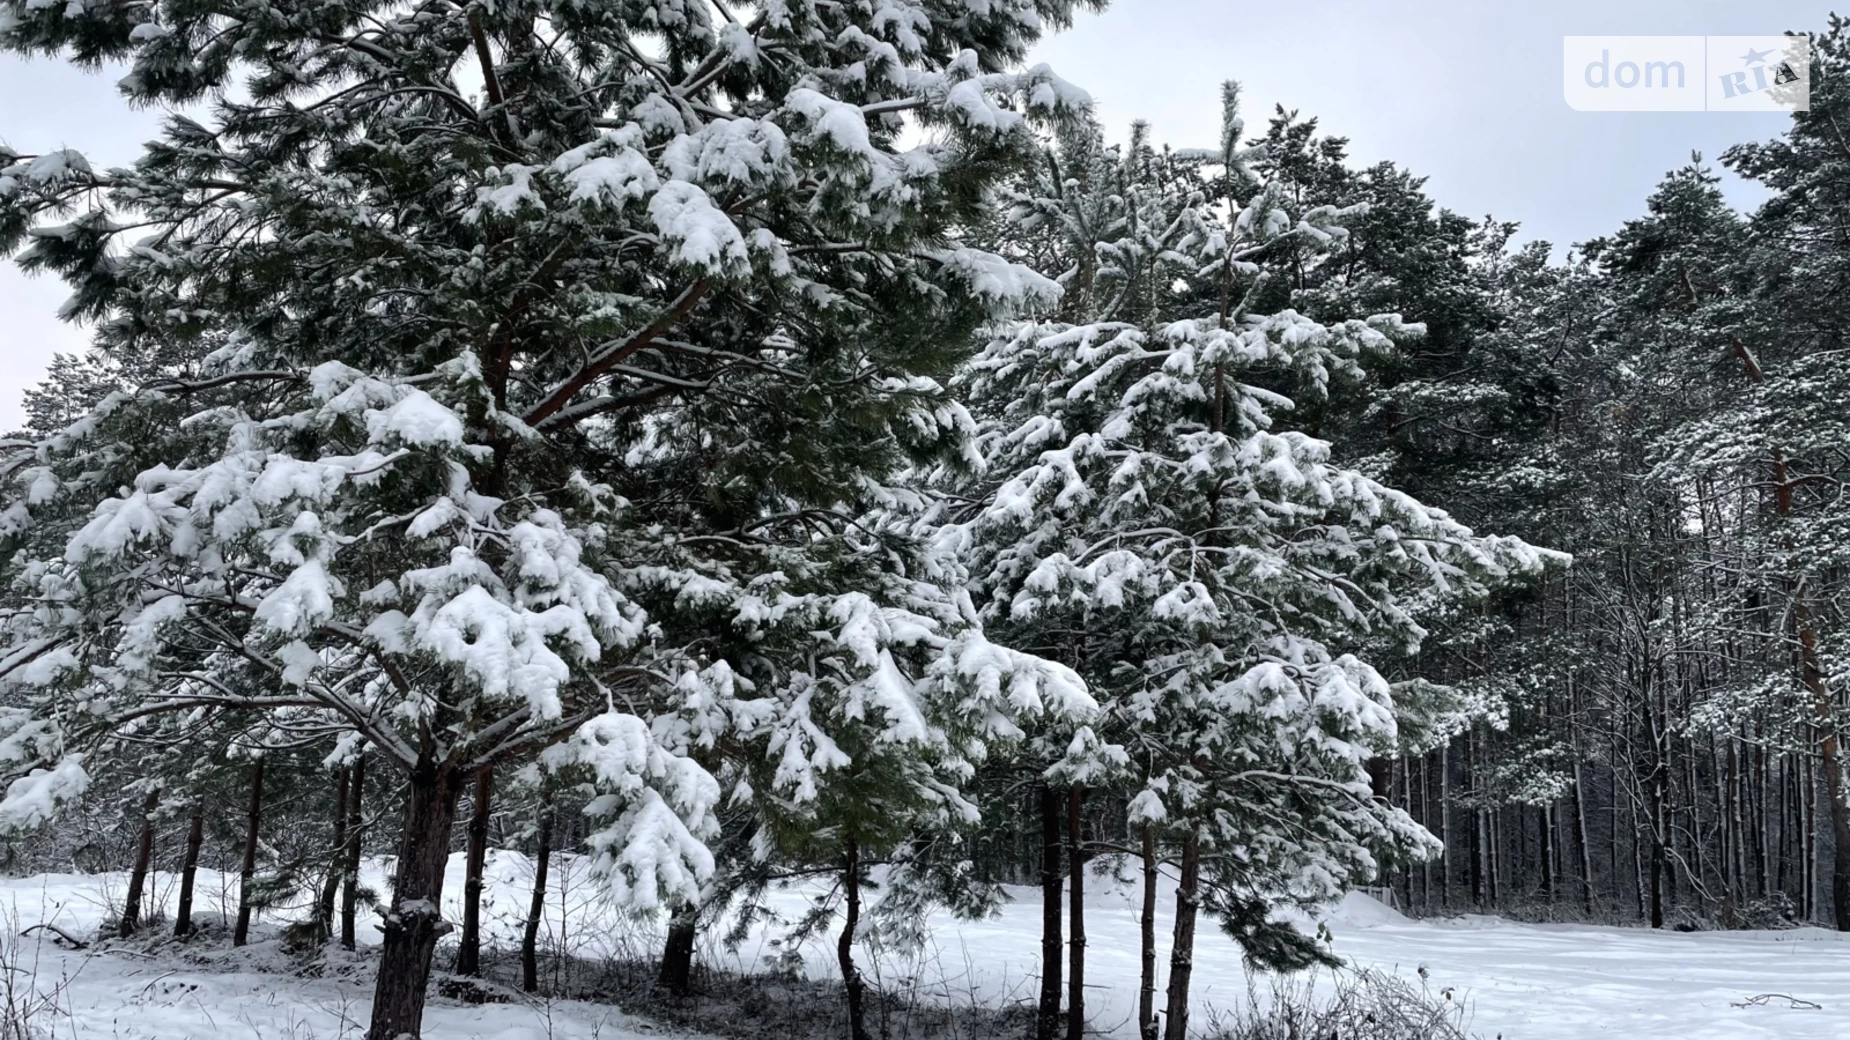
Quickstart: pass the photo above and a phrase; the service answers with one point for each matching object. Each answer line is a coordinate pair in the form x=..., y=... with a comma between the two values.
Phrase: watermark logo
x=1687, y=73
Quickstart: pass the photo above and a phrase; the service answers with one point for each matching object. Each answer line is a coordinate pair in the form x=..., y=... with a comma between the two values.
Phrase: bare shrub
x=32, y=1007
x=1347, y=1003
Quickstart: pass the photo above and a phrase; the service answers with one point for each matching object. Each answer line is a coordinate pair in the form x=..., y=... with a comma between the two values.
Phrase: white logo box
x=1686, y=73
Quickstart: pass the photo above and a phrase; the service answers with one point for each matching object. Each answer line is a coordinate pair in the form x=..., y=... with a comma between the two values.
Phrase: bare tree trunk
x=415, y=921
x=1493, y=848
x=324, y=909
x=1775, y=823
x=350, y=880
x=1638, y=869
x=138, y=875
x=530, y=939
x=189, y=870
x=1745, y=825
x=1658, y=865
x=1445, y=825
x=1479, y=856
x=1146, y=994
x=1426, y=821
x=1182, y=948
x=1548, y=827
x=1808, y=844
x=1478, y=891
x=1775, y=829
x=844, y=945
x=1586, y=847
x=1047, y=1022
x=469, y=947
x=1076, y=944
x=253, y=823
x=1406, y=794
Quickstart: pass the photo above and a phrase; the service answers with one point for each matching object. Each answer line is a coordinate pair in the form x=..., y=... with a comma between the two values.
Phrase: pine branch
x=613, y=355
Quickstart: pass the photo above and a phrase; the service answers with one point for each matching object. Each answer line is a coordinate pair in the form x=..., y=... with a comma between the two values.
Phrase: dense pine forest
x=745, y=444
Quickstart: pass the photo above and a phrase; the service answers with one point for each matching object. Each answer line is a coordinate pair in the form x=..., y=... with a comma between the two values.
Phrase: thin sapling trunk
x=138, y=875
x=253, y=822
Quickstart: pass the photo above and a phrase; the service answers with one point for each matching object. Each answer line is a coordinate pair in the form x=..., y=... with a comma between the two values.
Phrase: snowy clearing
x=1525, y=982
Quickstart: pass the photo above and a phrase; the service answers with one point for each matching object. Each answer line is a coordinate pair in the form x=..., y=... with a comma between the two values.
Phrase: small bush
x=1352, y=1004
x=1765, y=914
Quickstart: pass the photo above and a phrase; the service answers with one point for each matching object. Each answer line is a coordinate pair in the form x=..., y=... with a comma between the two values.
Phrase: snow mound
x=1361, y=910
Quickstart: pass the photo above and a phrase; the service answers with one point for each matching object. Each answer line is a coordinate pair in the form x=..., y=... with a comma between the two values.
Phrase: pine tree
x=405, y=300
x=1212, y=574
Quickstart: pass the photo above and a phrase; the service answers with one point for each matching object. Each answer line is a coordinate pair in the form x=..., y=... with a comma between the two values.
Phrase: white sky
x=1465, y=92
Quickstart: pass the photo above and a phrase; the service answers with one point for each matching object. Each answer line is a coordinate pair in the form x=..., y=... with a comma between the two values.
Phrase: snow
x=416, y=419
x=995, y=280
x=503, y=647
x=34, y=798
x=728, y=153
x=700, y=233
x=206, y=991
x=116, y=523
x=613, y=179
x=839, y=122
x=52, y=166
x=1523, y=981
x=969, y=100
x=510, y=197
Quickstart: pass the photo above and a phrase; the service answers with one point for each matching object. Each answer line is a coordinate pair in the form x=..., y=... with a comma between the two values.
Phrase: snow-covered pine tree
x=417, y=279
x=1104, y=222
x=1789, y=424
x=1463, y=415
x=1212, y=574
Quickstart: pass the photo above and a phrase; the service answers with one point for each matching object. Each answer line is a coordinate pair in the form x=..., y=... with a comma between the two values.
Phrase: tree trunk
x=1478, y=892
x=1047, y=1022
x=1182, y=947
x=844, y=946
x=1658, y=864
x=1586, y=847
x=1638, y=869
x=189, y=871
x=1445, y=826
x=1427, y=822
x=415, y=921
x=337, y=863
x=1076, y=945
x=530, y=939
x=1547, y=843
x=350, y=881
x=469, y=947
x=677, y=973
x=1406, y=794
x=253, y=821
x=138, y=876
x=1808, y=843
x=1146, y=994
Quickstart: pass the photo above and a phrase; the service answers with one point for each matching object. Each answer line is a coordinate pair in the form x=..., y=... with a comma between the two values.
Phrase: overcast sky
x=1466, y=92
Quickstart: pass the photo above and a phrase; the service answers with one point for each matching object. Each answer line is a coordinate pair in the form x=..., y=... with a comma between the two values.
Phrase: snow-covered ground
x=215, y=992
x=1525, y=982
